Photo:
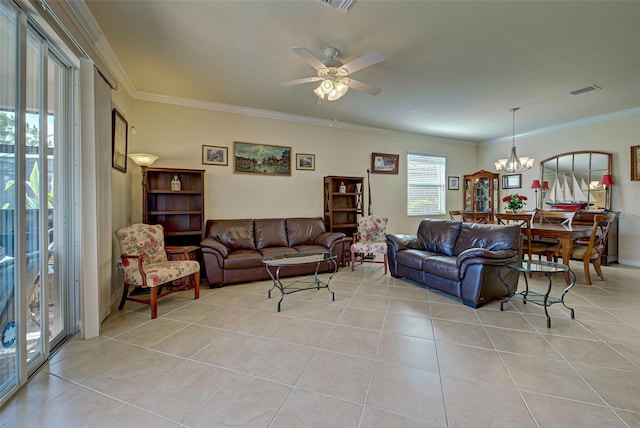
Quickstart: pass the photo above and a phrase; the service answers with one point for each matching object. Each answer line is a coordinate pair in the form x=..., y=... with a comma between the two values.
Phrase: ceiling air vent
x=342, y=5
x=586, y=90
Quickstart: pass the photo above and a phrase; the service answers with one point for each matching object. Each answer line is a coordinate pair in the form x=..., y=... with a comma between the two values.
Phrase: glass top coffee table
x=547, y=269
x=275, y=264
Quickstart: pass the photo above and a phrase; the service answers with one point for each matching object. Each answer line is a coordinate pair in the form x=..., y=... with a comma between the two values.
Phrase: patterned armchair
x=370, y=239
x=145, y=265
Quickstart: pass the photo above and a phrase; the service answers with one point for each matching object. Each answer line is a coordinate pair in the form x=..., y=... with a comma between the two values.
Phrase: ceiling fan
x=332, y=73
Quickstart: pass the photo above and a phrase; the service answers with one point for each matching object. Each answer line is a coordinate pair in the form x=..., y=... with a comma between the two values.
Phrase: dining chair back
x=455, y=215
x=591, y=251
x=561, y=217
x=475, y=217
x=529, y=246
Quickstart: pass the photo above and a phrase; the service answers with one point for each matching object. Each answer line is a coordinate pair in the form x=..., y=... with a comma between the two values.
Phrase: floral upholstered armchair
x=145, y=264
x=370, y=239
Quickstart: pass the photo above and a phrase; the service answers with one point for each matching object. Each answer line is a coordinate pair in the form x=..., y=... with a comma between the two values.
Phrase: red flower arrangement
x=514, y=202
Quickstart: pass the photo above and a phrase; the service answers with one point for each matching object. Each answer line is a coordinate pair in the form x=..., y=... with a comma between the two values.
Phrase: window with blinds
x=425, y=184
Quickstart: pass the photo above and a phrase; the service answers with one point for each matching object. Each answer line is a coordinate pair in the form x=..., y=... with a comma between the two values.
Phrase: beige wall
x=614, y=136
x=177, y=133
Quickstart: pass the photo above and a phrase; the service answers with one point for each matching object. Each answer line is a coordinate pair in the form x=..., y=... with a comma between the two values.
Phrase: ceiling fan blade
x=365, y=60
x=310, y=58
x=298, y=81
x=363, y=87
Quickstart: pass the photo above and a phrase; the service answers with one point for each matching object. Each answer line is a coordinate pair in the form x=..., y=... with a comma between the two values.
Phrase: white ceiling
x=453, y=68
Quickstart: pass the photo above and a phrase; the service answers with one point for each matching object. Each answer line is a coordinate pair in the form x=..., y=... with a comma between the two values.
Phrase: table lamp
x=536, y=185
x=607, y=180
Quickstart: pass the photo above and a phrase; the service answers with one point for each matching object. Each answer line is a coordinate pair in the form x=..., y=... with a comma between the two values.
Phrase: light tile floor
x=386, y=353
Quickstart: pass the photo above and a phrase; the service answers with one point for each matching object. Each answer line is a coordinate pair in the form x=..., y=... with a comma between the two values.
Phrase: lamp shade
x=607, y=180
x=143, y=159
x=545, y=185
x=535, y=184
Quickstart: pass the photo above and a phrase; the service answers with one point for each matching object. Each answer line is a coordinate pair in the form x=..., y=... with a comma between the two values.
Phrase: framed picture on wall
x=262, y=159
x=119, y=141
x=513, y=181
x=453, y=183
x=635, y=163
x=384, y=163
x=305, y=161
x=215, y=155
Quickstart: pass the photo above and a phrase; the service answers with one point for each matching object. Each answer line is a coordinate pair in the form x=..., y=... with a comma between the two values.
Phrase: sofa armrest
x=211, y=245
x=397, y=242
x=329, y=239
x=483, y=256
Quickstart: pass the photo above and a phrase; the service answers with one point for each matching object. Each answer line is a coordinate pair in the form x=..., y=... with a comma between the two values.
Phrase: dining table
x=565, y=234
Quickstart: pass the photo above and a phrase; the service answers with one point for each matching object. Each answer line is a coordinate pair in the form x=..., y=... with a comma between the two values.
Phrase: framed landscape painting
x=215, y=155
x=305, y=161
x=262, y=159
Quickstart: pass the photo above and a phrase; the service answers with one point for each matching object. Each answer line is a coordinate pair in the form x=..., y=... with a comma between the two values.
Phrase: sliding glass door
x=35, y=127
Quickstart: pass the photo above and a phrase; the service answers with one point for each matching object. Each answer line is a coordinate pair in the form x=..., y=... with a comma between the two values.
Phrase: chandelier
x=514, y=164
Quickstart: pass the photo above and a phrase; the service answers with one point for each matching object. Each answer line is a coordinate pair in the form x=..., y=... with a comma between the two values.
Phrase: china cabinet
x=481, y=193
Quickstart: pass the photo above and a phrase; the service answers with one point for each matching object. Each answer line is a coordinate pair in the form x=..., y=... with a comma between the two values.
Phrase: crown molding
x=569, y=125
x=268, y=114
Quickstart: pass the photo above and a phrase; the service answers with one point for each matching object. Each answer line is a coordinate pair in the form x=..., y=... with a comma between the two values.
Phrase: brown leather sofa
x=461, y=259
x=232, y=250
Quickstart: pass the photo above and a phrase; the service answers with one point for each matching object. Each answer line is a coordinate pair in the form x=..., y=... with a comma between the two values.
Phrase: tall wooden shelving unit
x=341, y=210
x=481, y=192
x=181, y=212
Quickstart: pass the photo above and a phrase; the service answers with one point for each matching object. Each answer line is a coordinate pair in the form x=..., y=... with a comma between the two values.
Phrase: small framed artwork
x=215, y=155
x=119, y=141
x=635, y=163
x=453, y=183
x=262, y=159
x=513, y=181
x=384, y=163
x=305, y=161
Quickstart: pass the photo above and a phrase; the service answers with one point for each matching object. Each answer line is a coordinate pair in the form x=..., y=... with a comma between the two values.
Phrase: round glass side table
x=547, y=269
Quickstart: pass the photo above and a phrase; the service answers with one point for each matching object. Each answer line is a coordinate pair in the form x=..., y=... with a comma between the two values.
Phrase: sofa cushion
x=303, y=231
x=491, y=237
x=311, y=248
x=276, y=251
x=233, y=234
x=439, y=236
x=270, y=232
x=413, y=258
x=442, y=266
x=243, y=259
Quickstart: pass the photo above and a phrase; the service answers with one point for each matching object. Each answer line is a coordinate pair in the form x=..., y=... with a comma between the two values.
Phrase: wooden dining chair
x=455, y=215
x=591, y=251
x=561, y=217
x=529, y=246
x=474, y=217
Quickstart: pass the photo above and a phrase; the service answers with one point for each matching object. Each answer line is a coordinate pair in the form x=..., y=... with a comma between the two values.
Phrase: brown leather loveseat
x=232, y=250
x=461, y=259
